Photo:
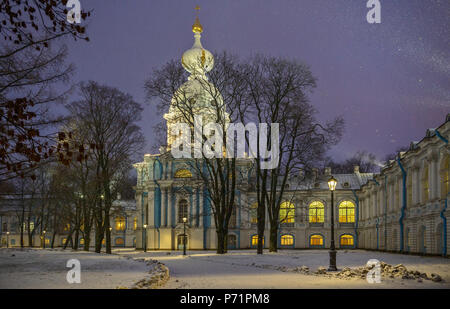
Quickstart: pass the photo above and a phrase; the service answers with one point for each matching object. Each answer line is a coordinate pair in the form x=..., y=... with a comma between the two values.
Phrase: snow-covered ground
x=37, y=268
x=245, y=269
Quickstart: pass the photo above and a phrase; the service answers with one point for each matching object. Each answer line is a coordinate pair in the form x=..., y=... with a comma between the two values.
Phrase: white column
x=169, y=209
x=201, y=212
x=194, y=208
x=163, y=207
x=150, y=208
x=434, y=179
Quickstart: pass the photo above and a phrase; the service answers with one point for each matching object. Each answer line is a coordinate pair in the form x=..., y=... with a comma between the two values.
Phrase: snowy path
x=245, y=269
x=35, y=268
x=46, y=269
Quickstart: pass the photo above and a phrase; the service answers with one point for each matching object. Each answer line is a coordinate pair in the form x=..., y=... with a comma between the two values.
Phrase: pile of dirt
x=388, y=271
x=158, y=275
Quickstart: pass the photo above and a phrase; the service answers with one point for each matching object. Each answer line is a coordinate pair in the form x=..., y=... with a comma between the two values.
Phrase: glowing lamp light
x=332, y=182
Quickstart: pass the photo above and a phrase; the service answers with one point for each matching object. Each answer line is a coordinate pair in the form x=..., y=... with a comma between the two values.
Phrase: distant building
x=123, y=223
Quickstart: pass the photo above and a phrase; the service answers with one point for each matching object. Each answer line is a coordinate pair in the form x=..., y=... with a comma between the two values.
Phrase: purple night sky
x=390, y=81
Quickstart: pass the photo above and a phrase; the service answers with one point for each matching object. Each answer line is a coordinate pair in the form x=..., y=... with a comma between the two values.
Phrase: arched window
x=183, y=173
x=82, y=241
x=135, y=223
x=119, y=241
x=425, y=183
x=316, y=212
x=287, y=240
x=287, y=212
x=316, y=240
x=182, y=210
x=255, y=240
x=346, y=212
x=120, y=223
x=254, y=213
x=445, y=190
x=347, y=240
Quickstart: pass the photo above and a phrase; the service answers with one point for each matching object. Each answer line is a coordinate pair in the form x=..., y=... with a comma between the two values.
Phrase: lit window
x=316, y=212
x=254, y=213
x=135, y=223
x=287, y=240
x=183, y=173
x=346, y=240
x=119, y=241
x=81, y=241
x=120, y=223
x=47, y=241
x=316, y=240
x=67, y=227
x=346, y=212
x=63, y=241
x=287, y=212
x=445, y=190
x=255, y=240
x=182, y=210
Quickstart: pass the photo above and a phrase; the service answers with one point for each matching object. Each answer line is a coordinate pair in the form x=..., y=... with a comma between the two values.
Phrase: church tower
x=197, y=96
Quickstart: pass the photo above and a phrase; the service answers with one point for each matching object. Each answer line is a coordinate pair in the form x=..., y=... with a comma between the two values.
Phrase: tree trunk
x=98, y=239
x=77, y=234
x=273, y=245
x=52, y=245
x=261, y=222
x=220, y=241
x=108, y=233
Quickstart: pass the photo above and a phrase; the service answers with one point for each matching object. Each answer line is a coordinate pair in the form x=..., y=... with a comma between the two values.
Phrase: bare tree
x=278, y=93
x=29, y=66
x=108, y=119
x=366, y=161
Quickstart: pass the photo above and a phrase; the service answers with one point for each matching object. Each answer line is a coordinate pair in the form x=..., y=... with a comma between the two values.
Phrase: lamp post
x=332, y=182
x=145, y=237
x=43, y=232
x=7, y=239
x=184, y=235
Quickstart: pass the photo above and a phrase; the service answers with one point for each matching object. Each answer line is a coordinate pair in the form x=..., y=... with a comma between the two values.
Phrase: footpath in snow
x=286, y=269
x=46, y=269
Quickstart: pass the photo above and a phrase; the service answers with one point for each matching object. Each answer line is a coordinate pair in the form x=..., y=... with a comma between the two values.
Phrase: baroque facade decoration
x=405, y=207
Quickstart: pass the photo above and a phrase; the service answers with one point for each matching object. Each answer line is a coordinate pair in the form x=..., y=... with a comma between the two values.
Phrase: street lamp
x=7, y=239
x=332, y=182
x=184, y=235
x=43, y=232
x=145, y=237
